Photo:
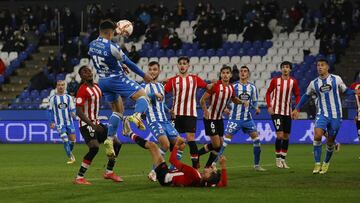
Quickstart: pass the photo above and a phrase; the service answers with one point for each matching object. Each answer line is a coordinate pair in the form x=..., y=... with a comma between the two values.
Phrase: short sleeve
x=117, y=52
x=310, y=89
x=168, y=86
x=341, y=84
x=200, y=82
x=81, y=97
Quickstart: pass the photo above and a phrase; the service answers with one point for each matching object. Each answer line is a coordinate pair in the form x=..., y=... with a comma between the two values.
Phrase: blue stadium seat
x=42, y=28
x=230, y=52
x=189, y=52
x=236, y=45
x=262, y=51
x=267, y=44
x=220, y=52
x=24, y=94
x=149, y=53
x=180, y=52
x=200, y=53
x=309, y=59
x=251, y=51
x=60, y=76
x=2, y=79
x=44, y=93
x=160, y=53
x=210, y=52
x=142, y=53
x=27, y=100
x=146, y=46
x=227, y=45
x=52, y=77
x=195, y=45
x=156, y=45
x=246, y=45
x=34, y=94
x=331, y=59
x=241, y=52
x=186, y=46
x=170, y=53
x=37, y=100
x=257, y=44
x=75, y=61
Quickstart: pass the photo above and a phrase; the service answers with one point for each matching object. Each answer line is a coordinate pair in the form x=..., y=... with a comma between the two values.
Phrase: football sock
x=317, y=151
x=225, y=143
x=213, y=155
x=117, y=147
x=141, y=105
x=358, y=134
x=329, y=152
x=138, y=140
x=278, y=143
x=257, y=151
x=194, y=153
x=110, y=165
x=205, y=149
x=84, y=166
x=284, y=148
x=72, y=143
x=66, y=144
x=114, y=120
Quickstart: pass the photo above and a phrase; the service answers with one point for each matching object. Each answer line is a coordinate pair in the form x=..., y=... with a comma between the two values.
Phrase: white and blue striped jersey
x=156, y=110
x=106, y=57
x=328, y=96
x=60, y=109
x=245, y=92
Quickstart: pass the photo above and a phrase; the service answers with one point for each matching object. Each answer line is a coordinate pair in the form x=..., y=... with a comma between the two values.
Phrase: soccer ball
x=124, y=28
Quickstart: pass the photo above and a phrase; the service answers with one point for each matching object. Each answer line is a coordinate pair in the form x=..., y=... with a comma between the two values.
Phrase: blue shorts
x=113, y=87
x=68, y=129
x=163, y=128
x=331, y=125
x=233, y=126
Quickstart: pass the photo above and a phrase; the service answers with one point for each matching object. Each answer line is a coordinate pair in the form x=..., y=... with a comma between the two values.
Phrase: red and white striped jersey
x=88, y=98
x=220, y=96
x=278, y=95
x=356, y=86
x=184, y=93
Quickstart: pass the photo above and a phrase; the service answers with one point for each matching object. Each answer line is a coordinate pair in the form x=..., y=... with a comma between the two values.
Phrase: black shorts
x=214, y=127
x=161, y=171
x=89, y=134
x=185, y=124
x=281, y=123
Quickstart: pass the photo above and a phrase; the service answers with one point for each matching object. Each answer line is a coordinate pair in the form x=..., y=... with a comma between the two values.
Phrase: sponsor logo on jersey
x=62, y=106
x=325, y=88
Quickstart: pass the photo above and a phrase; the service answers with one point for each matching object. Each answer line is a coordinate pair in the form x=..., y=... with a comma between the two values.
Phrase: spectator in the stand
x=72, y=87
x=204, y=39
x=40, y=81
x=234, y=22
x=198, y=9
x=139, y=29
x=301, y=7
x=14, y=21
x=216, y=38
x=251, y=32
x=246, y=8
x=345, y=30
x=180, y=12
x=162, y=32
x=66, y=66
x=333, y=27
x=264, y=32
x=20, y=42
x=2, y=67
x=164, y=42
x=53, y=64
x=69, y=24
x=6, y=33
x=145, y=18
x=273, y=7
x=295, y=15
x=133, y=54
x=175, y=42
x=308, y=22
x=151, y=34
x=286, y=22
x=70, y=49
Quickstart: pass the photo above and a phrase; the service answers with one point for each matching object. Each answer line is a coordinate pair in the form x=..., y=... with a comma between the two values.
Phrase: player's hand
x=147, y=78
x=206, y=115
x=357, y=91
x=246, y=103
x=295, y=114
x=227, y=111
x=172, y=114
x=355, y=119
x=159, y=96
x=52, y=125
x=271, y=111
x=222, y=161
x=257, y=111
x=179, y=141
x=126, y=69
x=98, y=128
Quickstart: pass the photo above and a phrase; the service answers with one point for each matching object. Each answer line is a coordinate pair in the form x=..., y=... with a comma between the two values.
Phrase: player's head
x=322, y=66
x=154, y=69
x=60, y=86
x=86, y=74
x=183, y=64
x=244, y=73
x=225, y=74
x=210, y=177
x=107, y=29
x=286, y=67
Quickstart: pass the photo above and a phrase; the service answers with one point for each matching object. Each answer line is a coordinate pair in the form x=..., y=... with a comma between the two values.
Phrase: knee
x=216, y=145
x=165, y=146
x=94, y=150
x=150, y=145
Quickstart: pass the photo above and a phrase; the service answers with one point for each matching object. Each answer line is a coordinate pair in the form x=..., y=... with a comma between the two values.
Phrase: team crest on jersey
x=244, y=96
x=78, y=100
x=325, y=88
x=62, y=106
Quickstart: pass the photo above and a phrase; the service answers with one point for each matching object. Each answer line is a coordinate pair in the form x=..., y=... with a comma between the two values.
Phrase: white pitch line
x=96, y=179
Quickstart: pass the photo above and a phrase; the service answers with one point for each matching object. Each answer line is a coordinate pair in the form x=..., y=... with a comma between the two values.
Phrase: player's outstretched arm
x=223, y=179
x=203, y=99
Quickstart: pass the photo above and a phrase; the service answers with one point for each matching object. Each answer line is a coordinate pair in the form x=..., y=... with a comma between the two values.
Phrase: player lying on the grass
x=327, y=88
x=156, y=118
x=88, y=99
x=184, y=175
x=240, y=116
x=108, y=58
x=61, y=113
x=219, y=95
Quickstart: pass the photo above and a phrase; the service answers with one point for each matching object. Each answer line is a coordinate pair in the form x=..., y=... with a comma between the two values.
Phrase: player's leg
x=277, y=121
x=330, y=143
x=72, y=139
x=216, y=144
x=232, y=127
x=172, y=135
x=164, y=147
x=187, y=124
x=64, y=137
x=285, y=141
x=141, y=105
x=358, y=130
x=320, y=128
x=256, y=150
x=117, y=108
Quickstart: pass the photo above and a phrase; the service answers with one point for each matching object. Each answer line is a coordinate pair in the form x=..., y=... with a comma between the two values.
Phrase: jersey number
x=100, y=61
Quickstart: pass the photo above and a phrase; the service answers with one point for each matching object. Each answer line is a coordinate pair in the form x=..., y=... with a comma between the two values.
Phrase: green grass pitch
x=38, y=173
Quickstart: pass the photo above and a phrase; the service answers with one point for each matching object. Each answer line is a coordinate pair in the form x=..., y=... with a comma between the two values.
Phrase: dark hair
x=214, y=179
x=151, y=63
x=183, y=58
x=225, y=68
x=82, y=67
x=284, y=63
x=245, y=67
x=107, y=24
x=322, y=60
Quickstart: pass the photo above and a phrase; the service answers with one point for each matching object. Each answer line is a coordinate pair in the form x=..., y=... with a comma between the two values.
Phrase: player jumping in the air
x=327, y=88
x=88, y=100
x=61, y=114
x=278, y=99
x=108, y=58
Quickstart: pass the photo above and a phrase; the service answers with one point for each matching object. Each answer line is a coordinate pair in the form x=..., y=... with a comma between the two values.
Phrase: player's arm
x=202, y=84
x=203, y=99
x=72, y=108
x=168, y=87
x=267, y=97
x=296, y=92
x=304, y=99
x=344, y=89
x=223, y=179
x=173, y=159
x=81, y=99
x=51, y=114
x=254, y=101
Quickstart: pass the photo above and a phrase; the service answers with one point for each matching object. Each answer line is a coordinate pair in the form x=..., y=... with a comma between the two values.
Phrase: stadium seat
x=283, y=36
x=163, y=60
x=194, y=60
x=184, y=24
x=12, y=55
x=214, y=60
x=210, y=52
x=308, y=43
x=293, y=36
x=257, y=44
x=232, y=38
x=260, y=67
x=84, y=61
x=143, y=61
x=277, y=44
x=208, y=68
x=154, y=59
x=262, y=51
x=272, y=51
x=298, y=44
x=265, y=75
x=235, y=59
x=304, y=36
x=293, y=51
x=254, y=75
x=256, y=59
x=288, y=58
x=224, y=60
x=173, y=60
x=276, y=59
x=282, y=52
x=240, y=37
x=287, y=44
x=267, y=44
x=203, y=75
x=247, y=45
x=212, y=76
x=259, y=83
x=298, y=58
x=204, y=60
x=245, y=59
x=220, y=52
x=170, y=53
